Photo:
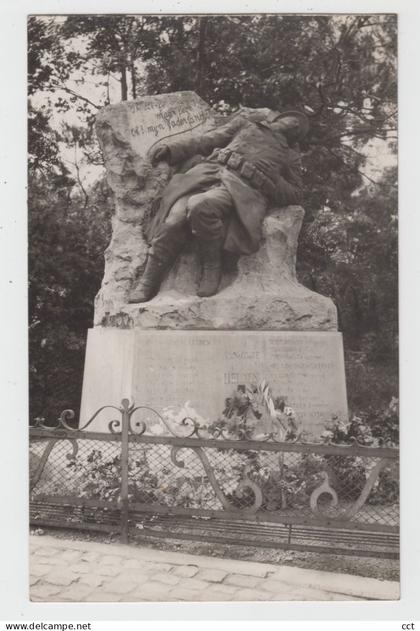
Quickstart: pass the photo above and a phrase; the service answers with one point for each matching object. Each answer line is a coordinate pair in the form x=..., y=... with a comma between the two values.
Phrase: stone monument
x=178, y=349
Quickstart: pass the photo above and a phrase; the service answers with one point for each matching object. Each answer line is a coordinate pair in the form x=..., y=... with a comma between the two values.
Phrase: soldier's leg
x=208, y=213
x=165, y=247
x=178, y=212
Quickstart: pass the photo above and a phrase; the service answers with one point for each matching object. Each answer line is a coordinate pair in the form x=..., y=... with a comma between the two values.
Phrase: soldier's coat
x=259, y=145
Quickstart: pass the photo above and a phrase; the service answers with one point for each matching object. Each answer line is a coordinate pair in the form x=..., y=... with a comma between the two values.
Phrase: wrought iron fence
x=149, y=478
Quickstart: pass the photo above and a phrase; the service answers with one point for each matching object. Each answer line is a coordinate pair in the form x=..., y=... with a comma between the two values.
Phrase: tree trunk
x=108, y=100
x=78, y=178
x=133, y=79
x=124, y=86
x=201, y=54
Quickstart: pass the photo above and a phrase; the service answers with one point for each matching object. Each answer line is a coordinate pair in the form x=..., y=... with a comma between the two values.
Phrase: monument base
x=191, y=373
x=260, y=292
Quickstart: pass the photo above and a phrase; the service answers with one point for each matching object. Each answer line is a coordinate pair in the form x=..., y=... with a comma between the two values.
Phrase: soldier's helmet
x=302, y=120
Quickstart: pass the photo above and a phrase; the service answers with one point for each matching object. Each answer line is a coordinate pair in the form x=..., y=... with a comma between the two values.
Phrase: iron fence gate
x=148, y=477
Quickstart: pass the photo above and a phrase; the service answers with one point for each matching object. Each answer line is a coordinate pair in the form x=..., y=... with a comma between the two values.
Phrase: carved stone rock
x=126, y=132
x=262, y=293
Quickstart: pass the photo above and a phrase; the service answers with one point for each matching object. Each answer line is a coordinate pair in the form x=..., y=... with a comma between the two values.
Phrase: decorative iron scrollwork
x=39, y=469
x=325, y=487
x=244, y=483
x=193, y=429
x=370, y=482
x=350, y=512
x=139, y=427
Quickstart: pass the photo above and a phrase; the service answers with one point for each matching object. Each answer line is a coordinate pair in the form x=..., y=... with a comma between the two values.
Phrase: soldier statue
x=233, y=176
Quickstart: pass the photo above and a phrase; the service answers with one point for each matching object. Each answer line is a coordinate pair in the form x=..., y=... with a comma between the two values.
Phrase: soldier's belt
x=246, y=170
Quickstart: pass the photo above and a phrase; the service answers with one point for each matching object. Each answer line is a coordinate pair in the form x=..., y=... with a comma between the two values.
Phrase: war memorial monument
x=199, y=295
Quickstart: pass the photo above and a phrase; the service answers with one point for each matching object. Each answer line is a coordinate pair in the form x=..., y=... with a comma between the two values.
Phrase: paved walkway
x=84, y=571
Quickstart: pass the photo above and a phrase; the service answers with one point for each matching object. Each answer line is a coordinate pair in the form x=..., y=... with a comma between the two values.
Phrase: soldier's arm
x=289, y=189
x=178, y=151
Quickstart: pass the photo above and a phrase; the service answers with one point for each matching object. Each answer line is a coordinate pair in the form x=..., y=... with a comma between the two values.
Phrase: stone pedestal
x=191, y=373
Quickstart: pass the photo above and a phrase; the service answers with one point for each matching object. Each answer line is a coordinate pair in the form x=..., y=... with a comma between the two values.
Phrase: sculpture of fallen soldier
x=251, y=164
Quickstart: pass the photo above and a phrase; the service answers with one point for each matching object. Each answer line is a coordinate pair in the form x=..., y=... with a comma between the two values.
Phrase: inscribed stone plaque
x=197, y=370
x=148, y=120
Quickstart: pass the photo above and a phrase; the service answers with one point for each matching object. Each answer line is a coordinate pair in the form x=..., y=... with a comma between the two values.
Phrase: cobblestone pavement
x=84, y=571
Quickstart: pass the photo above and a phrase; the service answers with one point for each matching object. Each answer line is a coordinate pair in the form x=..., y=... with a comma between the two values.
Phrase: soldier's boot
x=211, y=259
x=166, y=246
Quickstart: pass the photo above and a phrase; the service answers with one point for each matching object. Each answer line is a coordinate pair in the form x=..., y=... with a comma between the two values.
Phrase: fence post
x=125, y=424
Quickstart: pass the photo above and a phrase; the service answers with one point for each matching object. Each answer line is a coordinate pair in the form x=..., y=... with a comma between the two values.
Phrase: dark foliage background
x=341, y=69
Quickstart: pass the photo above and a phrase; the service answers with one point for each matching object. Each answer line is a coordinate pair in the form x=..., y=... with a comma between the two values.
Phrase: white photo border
x=14, y=596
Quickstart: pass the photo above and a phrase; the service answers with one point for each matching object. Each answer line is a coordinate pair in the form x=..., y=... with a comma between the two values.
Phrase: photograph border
x=14, y=598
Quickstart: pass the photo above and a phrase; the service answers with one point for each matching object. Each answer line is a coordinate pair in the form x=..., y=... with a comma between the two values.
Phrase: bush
x=349, y=474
